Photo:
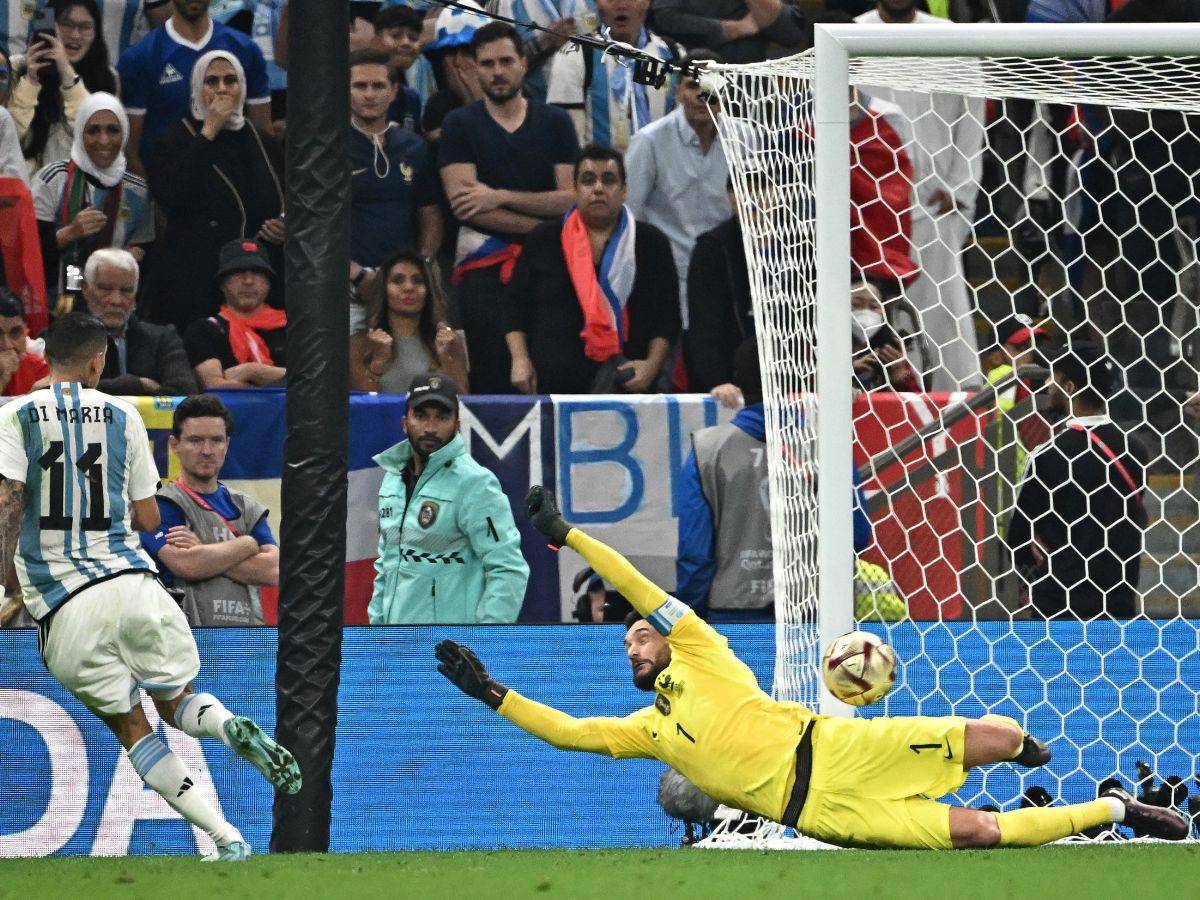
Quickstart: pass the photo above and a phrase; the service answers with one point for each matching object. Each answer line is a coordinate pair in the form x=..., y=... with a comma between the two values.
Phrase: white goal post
x=786, y=130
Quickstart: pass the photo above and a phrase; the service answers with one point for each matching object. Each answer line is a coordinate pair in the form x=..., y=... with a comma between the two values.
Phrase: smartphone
x=43, y=21
x=885, y=336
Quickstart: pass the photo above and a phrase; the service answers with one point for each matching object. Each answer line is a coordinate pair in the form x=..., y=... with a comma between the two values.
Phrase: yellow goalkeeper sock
x=1037, y=825
x=610, y=565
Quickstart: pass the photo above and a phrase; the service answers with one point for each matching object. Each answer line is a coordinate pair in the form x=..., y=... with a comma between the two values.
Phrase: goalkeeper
x=851, y=782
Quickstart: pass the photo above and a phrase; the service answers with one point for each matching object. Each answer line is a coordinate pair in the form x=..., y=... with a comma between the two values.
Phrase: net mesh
x=1034, y=547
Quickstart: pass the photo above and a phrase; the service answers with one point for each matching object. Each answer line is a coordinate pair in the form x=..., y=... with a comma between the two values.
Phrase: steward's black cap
x=433, y=387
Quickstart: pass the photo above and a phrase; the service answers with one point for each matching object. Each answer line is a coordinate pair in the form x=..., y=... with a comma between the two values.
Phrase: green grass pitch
x=1060, y=873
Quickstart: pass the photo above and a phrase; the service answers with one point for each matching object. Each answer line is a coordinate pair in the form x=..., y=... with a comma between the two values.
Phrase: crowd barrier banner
x=420, y=766
x=613, y=460
x=615, y=463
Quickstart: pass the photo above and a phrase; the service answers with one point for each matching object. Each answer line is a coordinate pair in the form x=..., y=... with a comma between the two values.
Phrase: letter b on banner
x=612, y=470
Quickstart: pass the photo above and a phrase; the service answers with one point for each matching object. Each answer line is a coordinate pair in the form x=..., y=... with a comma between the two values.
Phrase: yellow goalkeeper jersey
x=710, y=720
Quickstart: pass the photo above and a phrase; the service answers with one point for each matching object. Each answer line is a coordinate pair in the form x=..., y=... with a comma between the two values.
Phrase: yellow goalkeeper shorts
x=874, y=781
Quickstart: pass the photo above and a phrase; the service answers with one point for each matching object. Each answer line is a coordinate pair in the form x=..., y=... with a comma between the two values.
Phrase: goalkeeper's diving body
x=850, y=782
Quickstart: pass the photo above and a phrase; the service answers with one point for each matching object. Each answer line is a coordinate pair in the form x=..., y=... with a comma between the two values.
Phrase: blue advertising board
x=420, y=766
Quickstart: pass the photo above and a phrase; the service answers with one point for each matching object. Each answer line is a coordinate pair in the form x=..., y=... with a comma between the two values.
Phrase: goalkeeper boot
x=1033, y=753
x=236, y=851
x=1149, y=821
x=277, y=765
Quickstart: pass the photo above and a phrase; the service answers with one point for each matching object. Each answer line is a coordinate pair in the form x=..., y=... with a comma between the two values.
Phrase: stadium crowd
x=525, y=217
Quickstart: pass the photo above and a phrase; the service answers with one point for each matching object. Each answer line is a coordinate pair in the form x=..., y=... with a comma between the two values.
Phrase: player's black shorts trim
x=795, y=804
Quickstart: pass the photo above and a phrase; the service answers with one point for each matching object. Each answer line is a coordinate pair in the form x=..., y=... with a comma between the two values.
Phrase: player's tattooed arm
x=12, y=509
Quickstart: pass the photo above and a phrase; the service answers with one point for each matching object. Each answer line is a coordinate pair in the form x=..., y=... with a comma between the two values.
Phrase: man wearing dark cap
x=449, y=550
x=1077, y=530
x=243, y=344
x=723, y=565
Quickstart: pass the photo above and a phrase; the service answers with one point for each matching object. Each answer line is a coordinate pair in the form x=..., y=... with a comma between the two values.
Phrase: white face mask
x=866, y=323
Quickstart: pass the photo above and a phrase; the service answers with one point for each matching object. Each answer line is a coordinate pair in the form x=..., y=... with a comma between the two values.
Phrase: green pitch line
x=1061, y=873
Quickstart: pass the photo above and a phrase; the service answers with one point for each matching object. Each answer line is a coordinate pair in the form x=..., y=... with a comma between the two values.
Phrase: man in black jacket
x=1078, y=527
x=720, y=316
x=593, y=304
x=143, y=359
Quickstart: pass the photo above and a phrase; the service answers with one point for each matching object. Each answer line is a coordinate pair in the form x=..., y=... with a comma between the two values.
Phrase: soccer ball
x=859, y=668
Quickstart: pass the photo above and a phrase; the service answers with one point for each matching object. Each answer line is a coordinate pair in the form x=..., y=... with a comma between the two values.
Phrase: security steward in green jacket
x=449, y=550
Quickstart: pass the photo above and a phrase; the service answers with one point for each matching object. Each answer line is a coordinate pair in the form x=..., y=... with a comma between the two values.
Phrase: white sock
x=203, y=715
x=166, y=774
x=1118, y=808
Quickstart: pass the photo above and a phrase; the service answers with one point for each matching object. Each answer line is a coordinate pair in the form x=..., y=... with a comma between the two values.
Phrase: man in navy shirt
x=507, y=165
x=394, y=195
x=214, y=544
x=156, y=74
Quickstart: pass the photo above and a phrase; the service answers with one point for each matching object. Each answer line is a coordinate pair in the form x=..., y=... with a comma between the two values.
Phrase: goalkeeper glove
x=461, y=666
x=543, y=512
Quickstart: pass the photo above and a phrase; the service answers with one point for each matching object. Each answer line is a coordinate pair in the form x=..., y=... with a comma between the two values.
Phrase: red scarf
x=601, y=340
x=244, y=338
x=22, y=252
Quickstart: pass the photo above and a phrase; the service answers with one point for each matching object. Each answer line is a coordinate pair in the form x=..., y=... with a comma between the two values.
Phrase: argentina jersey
x=84, y=457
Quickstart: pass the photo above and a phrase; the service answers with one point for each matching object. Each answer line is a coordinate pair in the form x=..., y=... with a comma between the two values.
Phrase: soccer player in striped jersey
x=77, y=481
x=851, y=782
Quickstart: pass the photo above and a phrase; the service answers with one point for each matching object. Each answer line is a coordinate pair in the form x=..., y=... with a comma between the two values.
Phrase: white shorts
x=117, y=635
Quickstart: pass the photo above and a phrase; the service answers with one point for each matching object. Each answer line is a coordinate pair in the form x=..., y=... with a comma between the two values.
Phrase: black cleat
x=1033, y=753
x=1150, y=821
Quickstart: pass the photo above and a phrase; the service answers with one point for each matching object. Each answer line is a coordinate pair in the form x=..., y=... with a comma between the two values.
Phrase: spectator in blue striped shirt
x=598, y=89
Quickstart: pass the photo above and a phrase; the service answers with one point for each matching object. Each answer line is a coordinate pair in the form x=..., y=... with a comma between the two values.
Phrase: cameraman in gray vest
x=723, y=562
x=214, y=545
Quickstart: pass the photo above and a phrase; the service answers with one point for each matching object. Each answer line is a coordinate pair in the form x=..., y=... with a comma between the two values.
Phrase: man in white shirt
x=677, y=173
x=947, y=155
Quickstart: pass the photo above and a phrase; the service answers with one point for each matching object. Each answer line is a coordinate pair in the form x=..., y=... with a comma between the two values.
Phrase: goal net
x=984, y=265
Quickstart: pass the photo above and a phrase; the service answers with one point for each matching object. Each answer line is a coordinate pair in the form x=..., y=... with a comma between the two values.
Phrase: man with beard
x=851, y=782
x=1078, y=527
x=449, y=550
x=593, y=300
x=506, y=164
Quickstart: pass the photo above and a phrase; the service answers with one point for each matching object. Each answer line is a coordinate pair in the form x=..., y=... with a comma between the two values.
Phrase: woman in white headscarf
x=90, y=200
x=218, y=179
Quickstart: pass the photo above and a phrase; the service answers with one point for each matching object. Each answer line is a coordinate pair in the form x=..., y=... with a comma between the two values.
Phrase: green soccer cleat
x=238, y=851
x=277, y=765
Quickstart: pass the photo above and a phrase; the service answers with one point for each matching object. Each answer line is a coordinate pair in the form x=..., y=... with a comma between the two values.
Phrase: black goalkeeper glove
x=462, y=666
x=543, y=512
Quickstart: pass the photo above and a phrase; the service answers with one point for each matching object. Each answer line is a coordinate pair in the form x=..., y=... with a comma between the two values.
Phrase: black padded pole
x=313, y=538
